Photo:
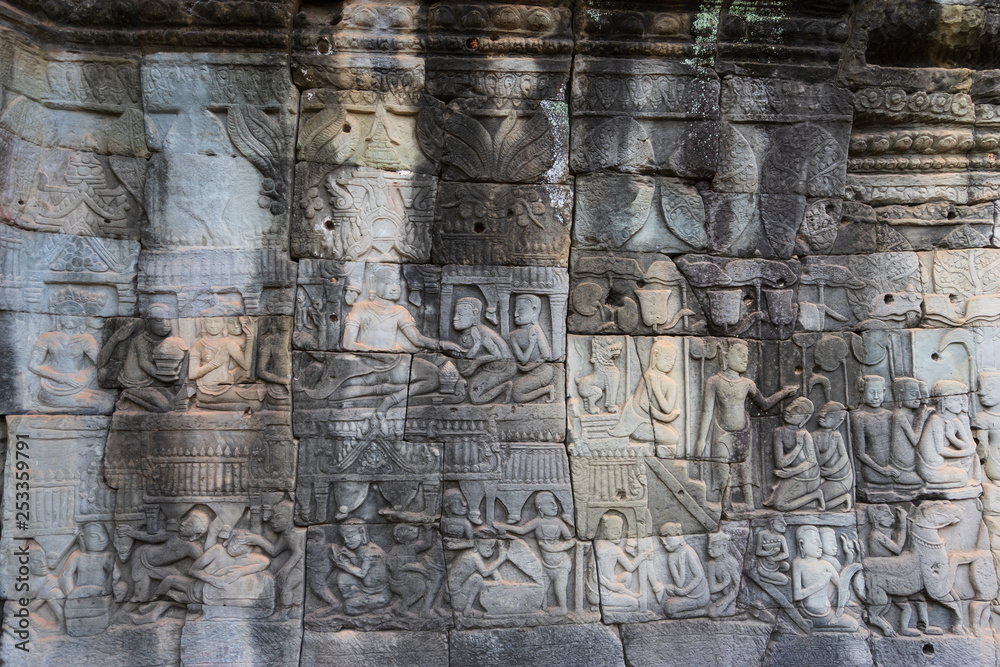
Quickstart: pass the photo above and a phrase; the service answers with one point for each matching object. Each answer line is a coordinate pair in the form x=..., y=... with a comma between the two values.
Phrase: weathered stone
x=375, y=649
x=596, y=644
x=683, y=642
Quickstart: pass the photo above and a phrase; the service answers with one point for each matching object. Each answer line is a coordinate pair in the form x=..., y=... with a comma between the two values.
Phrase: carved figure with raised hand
x=65, y=360
x=154, y=364
x=363, y=577
x=836, y=469
x=909, y=415
x=554, y=537
x=531, y=349
x=946, y=453
x=649, y=414
x=871, y=433
x=456, y=528
x=617, y=570
x=726, y=430
x=161, y=552
x=687, y=592
x=489, y=364
x=380, y=324
x=723, y=574
x=812, y=575
x=218, y=362
x=415, y=575
x=795, y=462
x=772, y=553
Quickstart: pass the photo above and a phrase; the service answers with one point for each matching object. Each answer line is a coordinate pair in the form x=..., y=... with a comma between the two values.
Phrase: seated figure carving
x=946, y=453
x=220, y=363
x=362, y=577
x=649, y=414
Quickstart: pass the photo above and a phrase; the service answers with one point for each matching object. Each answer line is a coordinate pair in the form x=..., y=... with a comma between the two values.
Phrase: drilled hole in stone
x=472, y=43
x=20, y=202
x=936, y=357
x=323, y=45
x=347, y=128
x=928, y=650
x=798, y=370
x=479, y=228
x=328, y=224
x=951, y=216
x=953, y=298
x=888, y=298
x=333, y=317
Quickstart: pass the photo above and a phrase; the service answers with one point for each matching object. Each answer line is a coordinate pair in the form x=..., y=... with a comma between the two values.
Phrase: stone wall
x=412, y=333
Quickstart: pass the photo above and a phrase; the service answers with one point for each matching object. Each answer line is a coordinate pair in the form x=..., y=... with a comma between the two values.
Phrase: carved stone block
x=553, y=645
x=941, y=534
x=223, y=642
x=231, y=282
x=51, y=360
x=535, y=78
x=506, y=142
x=752, y=297
x=670, y=576
x=368, y=129
x=630, y=293
x=494, y=223
x=653, y=115
x=373, y=577
x=787, y=558
x=71, y=191
x=361, y=213
x=221, y=129
x=639, y=213
x=723, y=642
x=940, y=225
x=859, y=292
x=960, y=287
x=366, y=307
x=375, y=649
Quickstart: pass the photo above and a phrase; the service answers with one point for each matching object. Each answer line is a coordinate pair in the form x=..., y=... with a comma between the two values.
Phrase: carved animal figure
x=601, y=386
x=922, y=569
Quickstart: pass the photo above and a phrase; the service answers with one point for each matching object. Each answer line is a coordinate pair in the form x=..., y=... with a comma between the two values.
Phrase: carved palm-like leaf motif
x=684, y=213
x=737, y=170
x=967, y=272
x=804, y=160
x=258, y=139
x=131, y=171
x=327, y=137
x=520, y=150
x=128, y=136
x=430, y=133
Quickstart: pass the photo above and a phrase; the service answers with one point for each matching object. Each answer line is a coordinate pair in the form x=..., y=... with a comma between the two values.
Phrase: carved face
x=525, y=311
x=193, y=526
x=95, y=538
x=404, y=534
x=672, y=542
x=909, y=395
x=810, y=545
x=36, y=563
x=738, y=358
x=214, y=325
x=955, y=404
x=883, y=516
x=236, y=548
x=778, y=525
x=546, y=504
x=874, y=393
x=159, y=326
x=71, y=323
x=795, y=419
x=662, y=356
x=387, y=285
x=465, y=317
x=281, y=520
x=989, y=389
x=832, y=420
x=612, y=528
x=828, y=539
x=354, y=536
x=454, y=504
x=486, y=548
x=716, y=548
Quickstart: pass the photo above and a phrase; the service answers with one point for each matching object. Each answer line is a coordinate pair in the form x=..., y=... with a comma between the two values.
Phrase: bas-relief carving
x=630, y=293
x=505, y=141
x=672, y=575
x=960, y=287
x=362, y=213
x=35, y=267
x=220, y=129
x=495, y=223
